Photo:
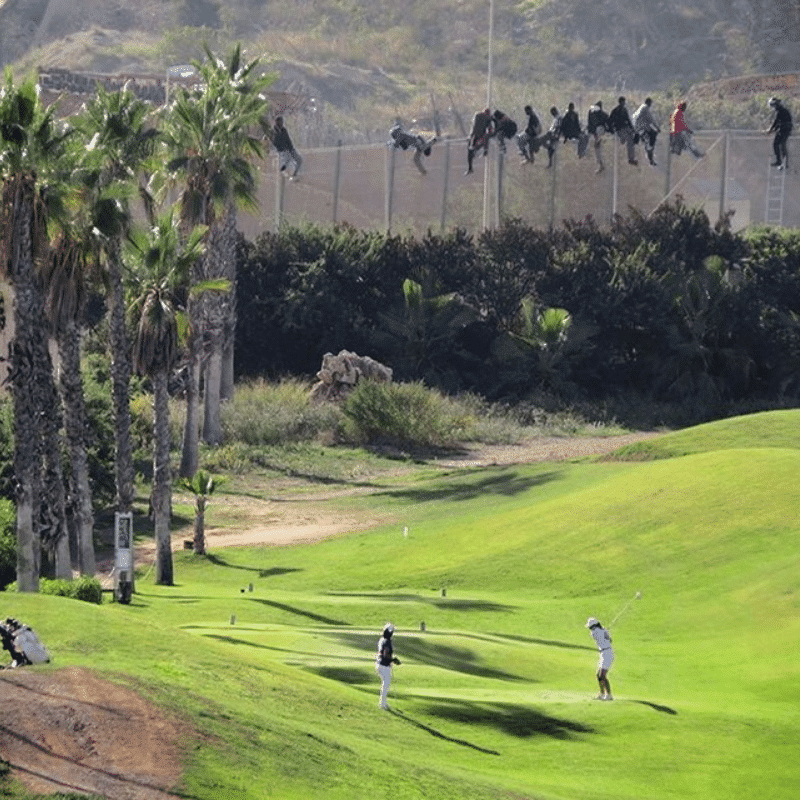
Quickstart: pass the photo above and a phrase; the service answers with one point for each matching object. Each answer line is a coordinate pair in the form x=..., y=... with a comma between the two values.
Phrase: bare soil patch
x=70, y=730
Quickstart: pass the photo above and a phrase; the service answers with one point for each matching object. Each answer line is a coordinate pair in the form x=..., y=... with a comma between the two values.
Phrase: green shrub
x=404, y=414
x=85, y=588
x=263, y=413
x=8, y=543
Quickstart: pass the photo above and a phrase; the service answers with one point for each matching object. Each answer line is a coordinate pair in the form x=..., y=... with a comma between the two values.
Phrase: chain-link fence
x=379, y=188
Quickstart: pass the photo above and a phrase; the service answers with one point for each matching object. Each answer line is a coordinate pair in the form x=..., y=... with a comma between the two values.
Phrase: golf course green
x=689, y=542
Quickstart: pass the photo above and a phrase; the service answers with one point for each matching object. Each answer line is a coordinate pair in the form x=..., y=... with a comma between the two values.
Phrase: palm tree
x=30, y=147
x=162, y=269
x=116, y=126
x=209, y=132
x=65, y=282
x=202, y=484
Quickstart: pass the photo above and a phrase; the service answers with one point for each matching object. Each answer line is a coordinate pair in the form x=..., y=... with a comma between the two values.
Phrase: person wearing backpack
x=383, y=662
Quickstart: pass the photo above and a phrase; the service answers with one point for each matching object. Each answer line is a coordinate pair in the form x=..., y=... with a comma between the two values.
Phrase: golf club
x=624, y=608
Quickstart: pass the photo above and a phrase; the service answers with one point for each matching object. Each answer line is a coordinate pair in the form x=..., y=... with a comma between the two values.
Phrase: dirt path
x=70, y=730
x=312, y=518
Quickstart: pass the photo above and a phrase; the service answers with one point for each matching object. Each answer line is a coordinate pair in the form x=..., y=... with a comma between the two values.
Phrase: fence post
x=337, y=171
x=723, y=189
x=553, y=188
x=445, y=186
x=668, y=179
x=390, y=156
x=498, y=206
x=280, y=188
x=615, y=177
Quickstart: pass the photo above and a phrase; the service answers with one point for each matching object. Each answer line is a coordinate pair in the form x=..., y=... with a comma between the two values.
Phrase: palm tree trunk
x=190, y=451
x=215, y=314
x=230, y=238
x=19, y=197
x=121, y=377
x=75, y=424
x=162, y=479
x=212, y=427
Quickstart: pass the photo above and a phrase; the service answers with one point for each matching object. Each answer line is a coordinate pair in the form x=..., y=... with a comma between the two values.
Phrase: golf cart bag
x=22, y=643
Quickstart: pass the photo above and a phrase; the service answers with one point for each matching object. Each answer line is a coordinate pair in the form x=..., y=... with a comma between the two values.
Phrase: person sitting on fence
x=647, y=129
x=505, y=128
x=782, y=128
x=550, y=139
x=401, y=139
x=619, y=122
x=482, y=131
x=282, y=142
x=681, y=136
x=571, y=130
x=527, y=141
x=596, y=126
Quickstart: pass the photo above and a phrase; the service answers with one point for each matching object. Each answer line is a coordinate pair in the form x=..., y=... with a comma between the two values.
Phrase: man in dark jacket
x=596, y=126
x=504, y=128
x=482, y=131
x=527, y=141
x=620, y=123
x=571, y=130
x=282, y=142
x=383, y=662
x=782, y=128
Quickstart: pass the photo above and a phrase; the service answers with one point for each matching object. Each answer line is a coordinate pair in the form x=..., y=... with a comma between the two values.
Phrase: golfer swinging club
x=603, y=639
x=383, y=662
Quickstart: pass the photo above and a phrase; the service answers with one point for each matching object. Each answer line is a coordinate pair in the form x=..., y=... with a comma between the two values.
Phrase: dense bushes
x=666, y=308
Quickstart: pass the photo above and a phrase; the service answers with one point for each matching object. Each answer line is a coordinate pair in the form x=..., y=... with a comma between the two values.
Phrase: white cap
x=591, y=622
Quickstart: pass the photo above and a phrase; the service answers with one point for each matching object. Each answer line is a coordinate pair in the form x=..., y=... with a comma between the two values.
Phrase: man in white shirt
x=603, y=640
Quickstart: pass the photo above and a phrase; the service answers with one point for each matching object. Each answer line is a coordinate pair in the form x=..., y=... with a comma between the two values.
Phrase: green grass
x=493, y=699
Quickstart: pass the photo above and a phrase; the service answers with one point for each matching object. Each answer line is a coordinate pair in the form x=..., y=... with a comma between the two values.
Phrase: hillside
x=361, y=62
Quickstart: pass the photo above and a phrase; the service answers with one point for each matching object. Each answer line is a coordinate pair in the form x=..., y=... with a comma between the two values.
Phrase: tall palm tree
x=122, y=139
x=161, y=270
x=65, y=282
x=213, y=132
x=30, y=148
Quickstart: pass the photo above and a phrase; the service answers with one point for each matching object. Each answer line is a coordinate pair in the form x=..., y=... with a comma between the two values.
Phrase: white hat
x=773, y=101
x=591, y=622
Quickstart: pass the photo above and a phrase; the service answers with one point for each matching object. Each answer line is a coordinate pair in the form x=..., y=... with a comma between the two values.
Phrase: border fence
x=374, y=186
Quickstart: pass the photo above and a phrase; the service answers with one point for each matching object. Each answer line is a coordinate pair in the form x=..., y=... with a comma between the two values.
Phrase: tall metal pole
x=489, y=69
x=723, y=189
x=445, y=186
x=337, y=171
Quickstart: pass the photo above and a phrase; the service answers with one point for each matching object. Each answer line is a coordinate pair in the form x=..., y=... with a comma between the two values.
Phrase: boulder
x=340, y=373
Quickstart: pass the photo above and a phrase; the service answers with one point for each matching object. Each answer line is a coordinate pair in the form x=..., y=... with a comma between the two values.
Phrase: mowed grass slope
x=270, y=650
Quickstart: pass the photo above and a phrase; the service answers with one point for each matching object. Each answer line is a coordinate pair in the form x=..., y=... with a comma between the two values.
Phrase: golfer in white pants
x=603, y=640
x=383, y=662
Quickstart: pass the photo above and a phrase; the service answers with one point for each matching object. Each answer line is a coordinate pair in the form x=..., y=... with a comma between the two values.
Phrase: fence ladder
x=773, y=208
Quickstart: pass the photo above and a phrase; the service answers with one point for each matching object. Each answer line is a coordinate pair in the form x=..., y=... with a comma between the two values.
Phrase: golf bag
x=22, y=643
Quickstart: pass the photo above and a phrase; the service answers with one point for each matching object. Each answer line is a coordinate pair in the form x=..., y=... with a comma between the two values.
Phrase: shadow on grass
x=440, y=602
x=439, y=735
x=506, y=483
x=348, y=675
x=301, y=612
x=424, y=651
x=546, y=642
x=514, y=720
x=656, y=707
x=272, y=572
